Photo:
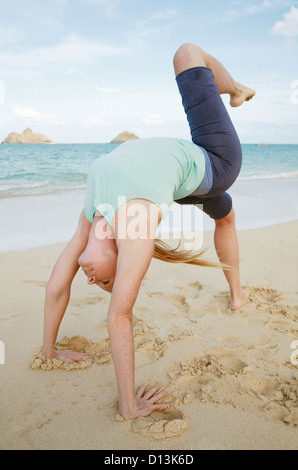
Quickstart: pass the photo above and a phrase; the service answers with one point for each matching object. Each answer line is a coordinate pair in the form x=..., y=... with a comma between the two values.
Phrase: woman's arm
x=134, y=258
x=59, y=286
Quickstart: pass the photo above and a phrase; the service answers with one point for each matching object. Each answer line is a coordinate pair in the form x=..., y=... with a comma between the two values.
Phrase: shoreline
x=42, y=220
x=187, y=237
x=29, y=221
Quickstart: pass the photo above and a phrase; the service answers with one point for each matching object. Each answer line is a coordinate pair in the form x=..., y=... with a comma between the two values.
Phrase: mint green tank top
x=159, y=169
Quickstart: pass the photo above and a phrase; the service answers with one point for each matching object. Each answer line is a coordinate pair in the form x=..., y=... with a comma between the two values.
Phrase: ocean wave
x=47, y=187
x=18, y=187
x=50, y=191
x=269, y=176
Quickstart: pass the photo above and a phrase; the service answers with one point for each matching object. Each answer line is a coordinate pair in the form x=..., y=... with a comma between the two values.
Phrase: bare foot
x=238, y=302
x=241, y=94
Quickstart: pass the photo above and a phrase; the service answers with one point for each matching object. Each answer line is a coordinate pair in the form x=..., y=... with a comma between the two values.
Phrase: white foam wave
x=13, y=187
x=43, y=192
x=269, y=176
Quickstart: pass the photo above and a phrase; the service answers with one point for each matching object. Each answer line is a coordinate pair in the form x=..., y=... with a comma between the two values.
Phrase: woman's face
x=100, y=270
x=99, y=259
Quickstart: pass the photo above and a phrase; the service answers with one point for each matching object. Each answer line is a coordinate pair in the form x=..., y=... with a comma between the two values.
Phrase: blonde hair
x=163, y=252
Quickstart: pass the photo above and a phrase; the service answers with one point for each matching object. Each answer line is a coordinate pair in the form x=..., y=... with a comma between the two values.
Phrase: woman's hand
x=70, y=357
x=147, y=403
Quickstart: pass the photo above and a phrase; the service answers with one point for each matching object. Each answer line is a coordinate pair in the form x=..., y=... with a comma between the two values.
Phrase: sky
x=82, y=71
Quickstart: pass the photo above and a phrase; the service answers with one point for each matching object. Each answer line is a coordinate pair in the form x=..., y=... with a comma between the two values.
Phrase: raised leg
x=212, y=129
x=189, y=55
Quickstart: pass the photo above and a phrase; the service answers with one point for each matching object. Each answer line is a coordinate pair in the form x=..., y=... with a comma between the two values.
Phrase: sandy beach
x=229, y=374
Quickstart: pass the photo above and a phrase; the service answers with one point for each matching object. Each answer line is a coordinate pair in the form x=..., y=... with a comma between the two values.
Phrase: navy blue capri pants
x=212, y=129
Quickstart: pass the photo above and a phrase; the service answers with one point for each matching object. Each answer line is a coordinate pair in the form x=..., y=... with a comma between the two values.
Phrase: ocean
x=42, y=190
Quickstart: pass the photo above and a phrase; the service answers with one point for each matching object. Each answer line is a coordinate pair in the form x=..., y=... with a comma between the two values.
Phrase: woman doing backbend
x=149, y=174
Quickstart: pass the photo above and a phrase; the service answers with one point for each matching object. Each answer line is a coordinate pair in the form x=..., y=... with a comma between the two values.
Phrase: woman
x=150, y=174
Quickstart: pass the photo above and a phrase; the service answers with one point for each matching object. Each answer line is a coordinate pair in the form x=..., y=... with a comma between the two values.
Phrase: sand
x=229, y=374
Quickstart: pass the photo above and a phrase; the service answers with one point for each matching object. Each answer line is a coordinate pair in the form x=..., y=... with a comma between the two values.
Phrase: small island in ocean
x=27, y=137
x=124, y=137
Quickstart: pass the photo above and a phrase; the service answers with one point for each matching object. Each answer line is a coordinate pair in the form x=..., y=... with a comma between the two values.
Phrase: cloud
x=154, y=119
x=69, y=71
x=93, y=121
x=109, y=8
x=241, y=8
x=288, y=27
x=72, y=50
x=2, y=92
x=164, y=15
x=31, y=113
x=108, y=90
x=270, y=78
x=156, y=25
x=266, y=5
x=26, y=114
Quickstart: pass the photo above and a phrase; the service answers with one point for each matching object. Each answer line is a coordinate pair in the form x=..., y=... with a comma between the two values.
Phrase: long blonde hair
x=163, y=252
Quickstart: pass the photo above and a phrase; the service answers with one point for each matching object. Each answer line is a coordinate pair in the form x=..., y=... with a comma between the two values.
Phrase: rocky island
x=27, y=137
x=124, y=137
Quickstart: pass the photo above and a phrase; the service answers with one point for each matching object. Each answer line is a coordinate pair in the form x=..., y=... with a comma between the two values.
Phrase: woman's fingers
x=82, y=356
x=150, y=408
x=72, y=356
x=150, y=393
x=151, y=398
x=140, y=392
x=161, y=406
x=147, y=402
x=158, y=396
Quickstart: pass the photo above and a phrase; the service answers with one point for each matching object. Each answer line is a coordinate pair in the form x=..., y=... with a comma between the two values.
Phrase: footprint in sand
x=263, y=294
x=148, y=346
x=179, y=302
x=283, y=326
x=277, y=315
x=271, y=301
x=155, y=295
x=86, y=301
x=37, y=283
x=191, y=290
x=160, y=425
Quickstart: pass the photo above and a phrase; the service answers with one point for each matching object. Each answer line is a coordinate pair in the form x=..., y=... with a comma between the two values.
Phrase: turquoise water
x=42, y=190
x=45, y=169
x=269, y=161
